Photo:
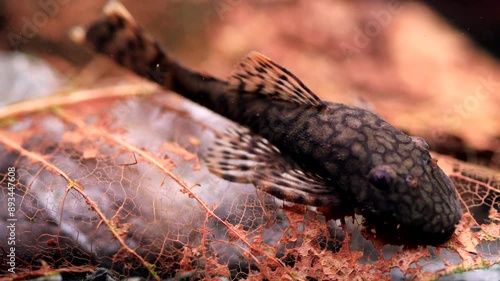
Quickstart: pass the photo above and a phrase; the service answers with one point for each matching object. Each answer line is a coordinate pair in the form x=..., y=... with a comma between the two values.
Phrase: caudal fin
x=119, y=36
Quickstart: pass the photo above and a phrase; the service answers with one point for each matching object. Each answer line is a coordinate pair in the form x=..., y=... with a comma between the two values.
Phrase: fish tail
x=118, y=36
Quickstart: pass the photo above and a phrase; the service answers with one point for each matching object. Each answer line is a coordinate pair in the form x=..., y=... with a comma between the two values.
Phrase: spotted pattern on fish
x=292, y=144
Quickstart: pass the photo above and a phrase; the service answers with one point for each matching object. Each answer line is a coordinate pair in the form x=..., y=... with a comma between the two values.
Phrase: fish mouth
x=392, y=231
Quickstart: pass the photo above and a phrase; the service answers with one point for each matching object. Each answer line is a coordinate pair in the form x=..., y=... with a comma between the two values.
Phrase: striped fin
x=260, y=75
x=240, y=156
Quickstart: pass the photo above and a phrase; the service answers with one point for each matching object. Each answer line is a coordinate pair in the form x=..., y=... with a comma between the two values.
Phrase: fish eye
x=382, y=177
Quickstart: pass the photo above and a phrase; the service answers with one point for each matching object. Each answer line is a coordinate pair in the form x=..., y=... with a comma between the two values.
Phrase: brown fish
x=292, y=144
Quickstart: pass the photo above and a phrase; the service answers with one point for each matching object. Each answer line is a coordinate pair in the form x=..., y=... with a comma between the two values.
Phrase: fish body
x=294, y=145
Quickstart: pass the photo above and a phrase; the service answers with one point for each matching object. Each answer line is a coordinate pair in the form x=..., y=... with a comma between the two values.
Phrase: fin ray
x=258, y=74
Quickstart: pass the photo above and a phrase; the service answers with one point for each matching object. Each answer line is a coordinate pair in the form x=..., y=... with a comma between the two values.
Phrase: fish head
x=405, y=189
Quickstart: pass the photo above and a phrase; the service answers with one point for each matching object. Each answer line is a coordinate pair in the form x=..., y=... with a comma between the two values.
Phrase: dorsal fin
x=260, y=75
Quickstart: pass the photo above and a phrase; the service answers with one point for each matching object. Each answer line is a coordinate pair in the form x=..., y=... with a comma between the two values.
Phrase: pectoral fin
x=260, y=75
x=240, y=156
